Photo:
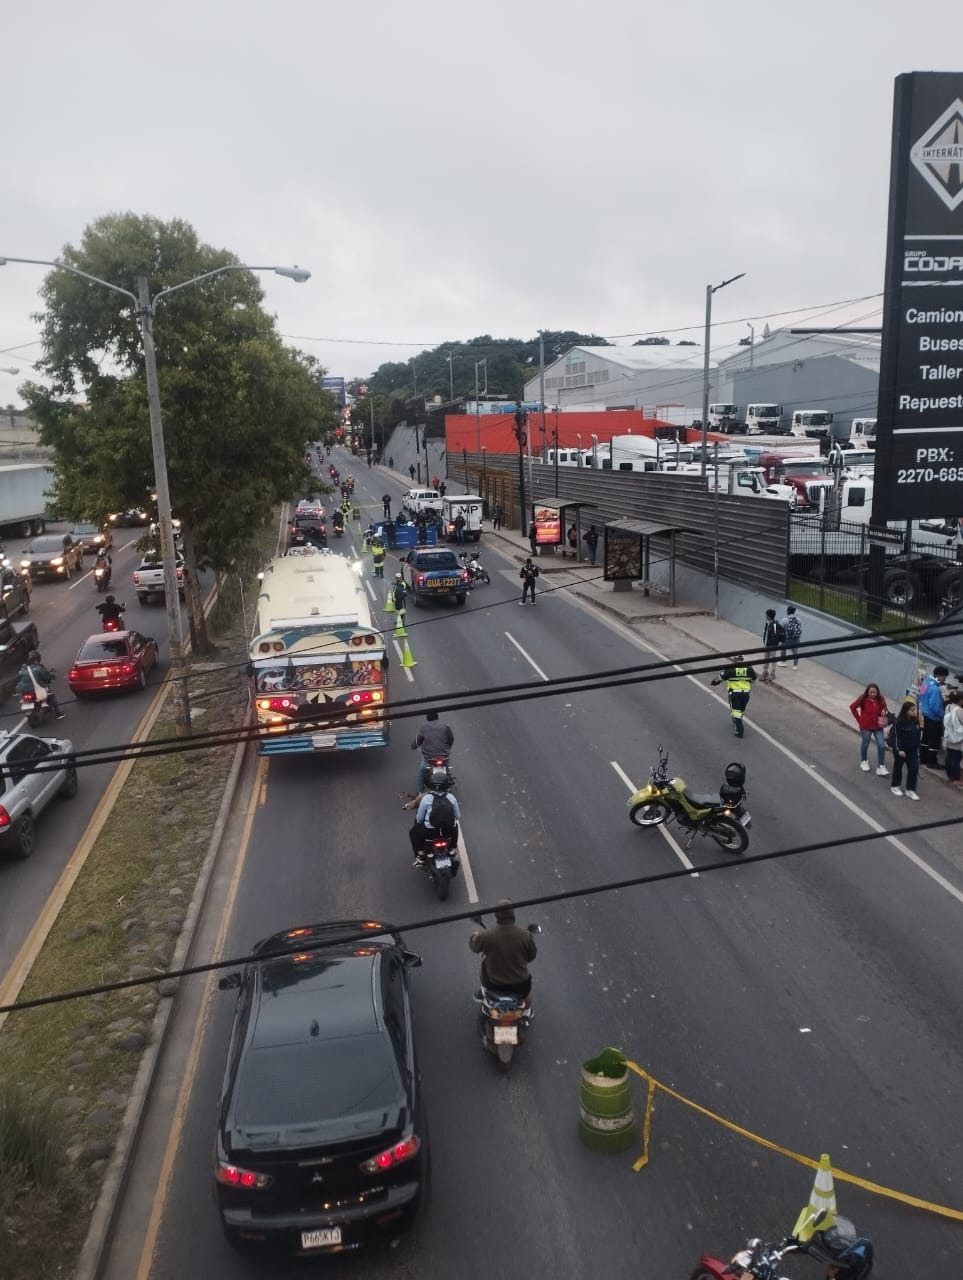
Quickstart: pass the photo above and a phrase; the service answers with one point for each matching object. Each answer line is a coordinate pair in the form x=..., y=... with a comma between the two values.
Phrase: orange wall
x=497, y=430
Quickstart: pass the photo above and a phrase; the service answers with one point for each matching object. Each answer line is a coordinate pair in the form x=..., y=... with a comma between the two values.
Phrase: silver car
x=32, y=772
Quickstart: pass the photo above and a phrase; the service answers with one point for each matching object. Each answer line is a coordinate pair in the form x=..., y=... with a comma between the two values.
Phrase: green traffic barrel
x=606, y=1121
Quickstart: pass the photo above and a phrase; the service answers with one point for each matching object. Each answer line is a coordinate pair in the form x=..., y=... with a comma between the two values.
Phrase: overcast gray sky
x=448, y=169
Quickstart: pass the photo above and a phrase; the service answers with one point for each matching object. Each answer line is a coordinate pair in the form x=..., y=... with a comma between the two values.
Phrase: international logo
x=938, y=155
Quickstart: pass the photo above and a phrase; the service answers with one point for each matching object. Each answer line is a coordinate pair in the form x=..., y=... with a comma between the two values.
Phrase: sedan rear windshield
x=315, y=1081
x=103, y=650
x=438, y=560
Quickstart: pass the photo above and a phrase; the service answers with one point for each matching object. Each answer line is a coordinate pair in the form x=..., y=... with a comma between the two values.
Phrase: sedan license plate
x=443, y=863
x=318, y=1239
x=319, y=740
x=506, y=1035
x=100, y=673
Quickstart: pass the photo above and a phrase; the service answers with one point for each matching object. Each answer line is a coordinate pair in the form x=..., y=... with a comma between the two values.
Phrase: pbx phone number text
x=922, y=475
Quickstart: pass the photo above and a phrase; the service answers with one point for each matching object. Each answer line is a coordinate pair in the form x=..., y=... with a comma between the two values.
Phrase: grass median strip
x=66, y=1069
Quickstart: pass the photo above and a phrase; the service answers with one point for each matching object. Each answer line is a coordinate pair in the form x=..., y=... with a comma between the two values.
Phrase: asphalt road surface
x=65, y=616
x=814, y=1000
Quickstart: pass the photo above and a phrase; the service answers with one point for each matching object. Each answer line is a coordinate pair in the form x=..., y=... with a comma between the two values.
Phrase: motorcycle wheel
x=701, y=1274
x=484, y=576
x=442, y=884
x=650, y=813
x=33, y=719
x=504, y=1052
x=729, y=834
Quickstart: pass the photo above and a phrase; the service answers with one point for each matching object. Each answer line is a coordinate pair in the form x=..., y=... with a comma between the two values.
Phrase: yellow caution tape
x=643, y=1160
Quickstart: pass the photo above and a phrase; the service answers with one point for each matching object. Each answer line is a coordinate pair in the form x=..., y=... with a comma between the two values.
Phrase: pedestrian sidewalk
x=811, y=683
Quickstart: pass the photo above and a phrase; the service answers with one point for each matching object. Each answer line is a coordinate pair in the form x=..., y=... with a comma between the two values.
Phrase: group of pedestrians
x=924, y=724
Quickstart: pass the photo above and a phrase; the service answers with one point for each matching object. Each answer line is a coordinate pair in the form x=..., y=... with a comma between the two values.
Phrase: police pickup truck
x=436, y=571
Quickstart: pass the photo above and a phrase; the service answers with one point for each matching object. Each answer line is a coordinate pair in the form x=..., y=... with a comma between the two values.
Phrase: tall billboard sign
x=919, y=432
x=338, y=388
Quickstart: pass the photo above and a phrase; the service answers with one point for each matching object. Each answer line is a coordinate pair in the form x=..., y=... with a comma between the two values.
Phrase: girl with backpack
x=904, y=738
x=873, y=718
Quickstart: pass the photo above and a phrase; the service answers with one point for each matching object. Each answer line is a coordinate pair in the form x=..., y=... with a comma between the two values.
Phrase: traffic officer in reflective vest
x=378, y=557
x=738, y=676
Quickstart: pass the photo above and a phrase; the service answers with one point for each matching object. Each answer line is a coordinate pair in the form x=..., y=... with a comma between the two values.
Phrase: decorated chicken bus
x=318, y=667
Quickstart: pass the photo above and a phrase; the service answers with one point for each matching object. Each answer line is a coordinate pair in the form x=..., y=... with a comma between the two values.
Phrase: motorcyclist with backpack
x=437, y=811
x=34, y=677
x=110, y=610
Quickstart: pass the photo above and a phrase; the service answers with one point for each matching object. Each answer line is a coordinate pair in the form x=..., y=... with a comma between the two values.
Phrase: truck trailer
x=23, y=499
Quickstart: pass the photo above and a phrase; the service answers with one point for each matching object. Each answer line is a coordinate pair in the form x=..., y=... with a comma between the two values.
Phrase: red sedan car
x=112, y=660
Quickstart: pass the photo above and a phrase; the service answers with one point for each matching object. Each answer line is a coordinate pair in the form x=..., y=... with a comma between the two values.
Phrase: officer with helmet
x=738, y=676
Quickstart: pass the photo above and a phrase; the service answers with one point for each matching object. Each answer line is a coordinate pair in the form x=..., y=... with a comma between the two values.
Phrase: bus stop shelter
x=552, y=520
x=628, y=552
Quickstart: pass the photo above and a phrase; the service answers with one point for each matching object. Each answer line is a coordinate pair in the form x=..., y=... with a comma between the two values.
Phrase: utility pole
x=710, y=290
x=521, y=420
x=541, y=386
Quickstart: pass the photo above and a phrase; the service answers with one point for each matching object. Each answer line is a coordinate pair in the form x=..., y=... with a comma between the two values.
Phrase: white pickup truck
x=149, y=578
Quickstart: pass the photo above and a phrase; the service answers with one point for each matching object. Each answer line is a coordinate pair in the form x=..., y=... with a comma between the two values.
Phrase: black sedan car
x=321, y=1144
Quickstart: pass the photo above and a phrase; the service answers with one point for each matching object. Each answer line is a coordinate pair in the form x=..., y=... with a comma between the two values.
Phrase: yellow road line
x=258, y=794
x=13, y=980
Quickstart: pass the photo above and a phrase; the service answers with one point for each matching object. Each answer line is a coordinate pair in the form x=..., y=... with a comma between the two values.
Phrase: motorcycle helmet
x=109, y=600
x=840, y=1246
x=438, y=780
x=504, y=911
x=399, y=577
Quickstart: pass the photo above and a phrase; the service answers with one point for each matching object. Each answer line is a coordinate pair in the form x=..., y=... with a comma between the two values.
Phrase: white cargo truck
x=469, y=505
x=23, y=500
x=764, y=419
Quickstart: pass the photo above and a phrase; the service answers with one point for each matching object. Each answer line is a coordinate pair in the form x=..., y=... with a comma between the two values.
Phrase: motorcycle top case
x=736, y=774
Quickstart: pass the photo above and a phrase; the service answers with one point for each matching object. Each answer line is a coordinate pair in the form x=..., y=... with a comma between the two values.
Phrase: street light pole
x=484, y=361
x=710, y=290
x=541, y=384
x=451, y=377
x=145, y=314
x=752, y=342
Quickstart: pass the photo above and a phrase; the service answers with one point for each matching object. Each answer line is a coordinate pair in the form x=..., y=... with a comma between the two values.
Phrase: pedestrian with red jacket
x=872, y=716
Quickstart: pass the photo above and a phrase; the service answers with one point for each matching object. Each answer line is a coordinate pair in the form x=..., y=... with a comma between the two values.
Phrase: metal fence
x=748, y=537
x=830, y=570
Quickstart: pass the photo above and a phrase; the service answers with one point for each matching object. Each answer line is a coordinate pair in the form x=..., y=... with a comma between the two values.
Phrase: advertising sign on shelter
x=919, y=432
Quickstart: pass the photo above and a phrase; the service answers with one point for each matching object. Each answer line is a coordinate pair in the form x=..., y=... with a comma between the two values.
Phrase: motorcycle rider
x=435, y=738
x=738, y=676
x=42, y=676
x=110, y=610
x=425, y=822
x=102, y=566
x=506, y=951
x=337, y=521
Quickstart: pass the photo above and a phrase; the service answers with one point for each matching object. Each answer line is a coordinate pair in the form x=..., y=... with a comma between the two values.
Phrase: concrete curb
x=115, y=1178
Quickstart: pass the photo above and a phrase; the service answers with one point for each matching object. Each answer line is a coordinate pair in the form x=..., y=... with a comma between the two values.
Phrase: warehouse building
x=834, y=371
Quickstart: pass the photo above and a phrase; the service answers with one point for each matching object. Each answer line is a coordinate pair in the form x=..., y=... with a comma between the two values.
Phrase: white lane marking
x=530, y=661
x=81, y=579
x=863, y=816
x=406, y=670
x=370, y=590
x=466, y=867
x=673, y=843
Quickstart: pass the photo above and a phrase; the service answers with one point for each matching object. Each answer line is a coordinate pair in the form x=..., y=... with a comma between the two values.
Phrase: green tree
x=238, y=406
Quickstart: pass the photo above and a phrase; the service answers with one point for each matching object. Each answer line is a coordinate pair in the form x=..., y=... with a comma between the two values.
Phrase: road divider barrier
x=653, y=1085
x=606, y=1121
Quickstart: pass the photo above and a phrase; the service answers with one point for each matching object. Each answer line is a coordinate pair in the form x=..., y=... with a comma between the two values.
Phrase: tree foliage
x=509, y=364
x=238, y=406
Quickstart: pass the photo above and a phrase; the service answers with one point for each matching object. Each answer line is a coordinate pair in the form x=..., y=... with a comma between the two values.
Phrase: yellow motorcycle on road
x=723, y=817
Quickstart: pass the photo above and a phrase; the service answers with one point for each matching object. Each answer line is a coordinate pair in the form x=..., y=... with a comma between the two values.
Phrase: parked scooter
x=476, y=570
x=848, y=1255
x=666, y=800
x=504, y=1019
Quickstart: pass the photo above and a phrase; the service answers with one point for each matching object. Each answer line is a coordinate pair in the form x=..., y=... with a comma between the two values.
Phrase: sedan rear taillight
x=391, y=1156
x=229, y=1175
x=73, y=674
x=136, y=578
x=4, y=817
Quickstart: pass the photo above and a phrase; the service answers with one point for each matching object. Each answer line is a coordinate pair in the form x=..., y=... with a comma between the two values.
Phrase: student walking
x=528, y=574
x=591, y=540
x=772, y=638
x=792, y=634
x=872, y=717
x=953, y=737
x=906, y=738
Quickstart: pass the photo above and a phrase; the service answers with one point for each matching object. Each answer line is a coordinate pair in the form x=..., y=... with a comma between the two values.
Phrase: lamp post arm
x=74, y=271
x=218, y=271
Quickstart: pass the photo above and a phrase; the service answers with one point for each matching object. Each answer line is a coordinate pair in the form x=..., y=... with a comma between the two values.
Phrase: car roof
x=98, y=636
x=295, y=990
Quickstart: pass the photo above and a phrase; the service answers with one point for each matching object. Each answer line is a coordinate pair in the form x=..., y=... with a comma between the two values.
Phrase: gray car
x=33, y=771
x=53, y=555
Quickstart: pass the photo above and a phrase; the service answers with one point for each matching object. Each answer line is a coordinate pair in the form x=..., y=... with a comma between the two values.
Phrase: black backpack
x=778, y=632
x=442, y=813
